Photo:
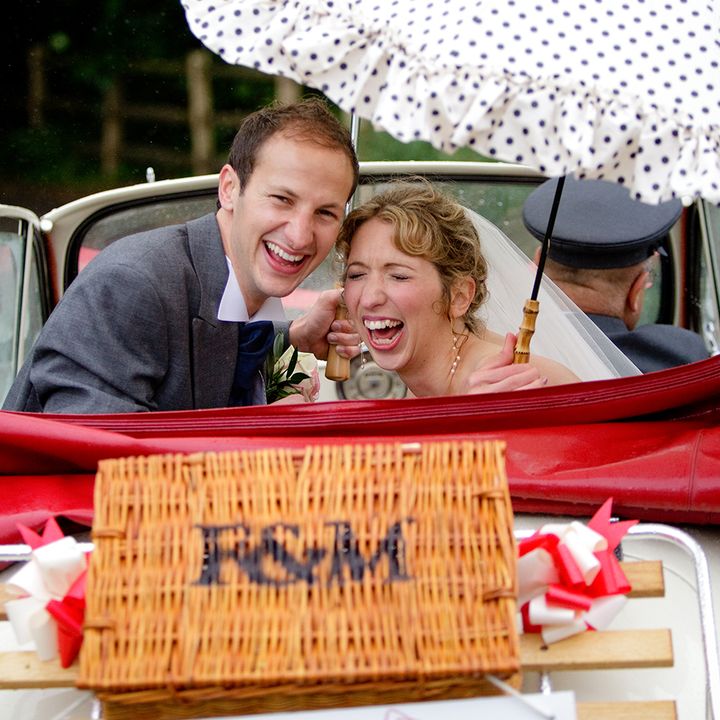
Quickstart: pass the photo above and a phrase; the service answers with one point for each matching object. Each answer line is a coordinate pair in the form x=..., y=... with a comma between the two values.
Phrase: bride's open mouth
x=383, y=333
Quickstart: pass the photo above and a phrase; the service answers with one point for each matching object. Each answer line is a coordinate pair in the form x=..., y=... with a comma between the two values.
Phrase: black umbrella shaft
x=546, y=238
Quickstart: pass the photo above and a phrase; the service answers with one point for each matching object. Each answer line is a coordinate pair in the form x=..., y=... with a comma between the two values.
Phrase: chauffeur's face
x=284, y=223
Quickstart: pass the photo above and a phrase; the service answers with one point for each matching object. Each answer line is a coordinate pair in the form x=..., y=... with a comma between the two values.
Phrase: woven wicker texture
x=348, y=566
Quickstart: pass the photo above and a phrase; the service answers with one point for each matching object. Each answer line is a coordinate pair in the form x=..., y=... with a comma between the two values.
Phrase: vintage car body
x=652, y=442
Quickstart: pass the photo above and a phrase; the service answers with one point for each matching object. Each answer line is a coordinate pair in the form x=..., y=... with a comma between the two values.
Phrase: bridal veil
x=563, y=332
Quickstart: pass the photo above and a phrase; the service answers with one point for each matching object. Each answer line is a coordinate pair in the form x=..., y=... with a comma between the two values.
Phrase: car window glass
x=712, y=220
x=34, y=311
x=709, y=279
x=19, y=323
x=501, y=202
x=135, y=218
x=660, y=275
x=11, y=263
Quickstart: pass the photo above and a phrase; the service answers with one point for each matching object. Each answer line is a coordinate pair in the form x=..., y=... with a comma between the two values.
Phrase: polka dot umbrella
x=627, y=91
x=624, y=91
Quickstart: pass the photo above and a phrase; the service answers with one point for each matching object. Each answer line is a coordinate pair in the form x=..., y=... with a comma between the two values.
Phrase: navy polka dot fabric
x=624, y=91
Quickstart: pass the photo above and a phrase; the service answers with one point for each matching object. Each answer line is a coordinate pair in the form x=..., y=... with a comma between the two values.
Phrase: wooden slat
x=4, y=597
x=639, y=710
x=591, y=650
x=599, y=650
x=645, y=577
x=23, y=670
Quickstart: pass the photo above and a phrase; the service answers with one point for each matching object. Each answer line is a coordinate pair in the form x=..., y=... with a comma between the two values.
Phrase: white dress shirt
x=233, y=308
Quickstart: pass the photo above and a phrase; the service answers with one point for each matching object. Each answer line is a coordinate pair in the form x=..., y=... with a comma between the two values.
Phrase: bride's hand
x=498, y=374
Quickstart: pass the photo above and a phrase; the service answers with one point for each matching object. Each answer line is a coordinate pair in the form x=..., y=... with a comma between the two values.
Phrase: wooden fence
x=198, y=114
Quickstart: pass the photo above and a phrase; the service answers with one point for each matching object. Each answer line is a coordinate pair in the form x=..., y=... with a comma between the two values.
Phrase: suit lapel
x=214, y=342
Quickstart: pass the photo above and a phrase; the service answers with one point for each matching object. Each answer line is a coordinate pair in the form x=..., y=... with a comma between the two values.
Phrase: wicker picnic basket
x=268, y=580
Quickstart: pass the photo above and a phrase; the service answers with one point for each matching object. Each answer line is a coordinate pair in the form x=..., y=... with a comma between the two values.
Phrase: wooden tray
x=624, y=649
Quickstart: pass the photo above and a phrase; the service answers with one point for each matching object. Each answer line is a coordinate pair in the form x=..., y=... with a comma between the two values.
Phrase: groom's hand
x=318, y=329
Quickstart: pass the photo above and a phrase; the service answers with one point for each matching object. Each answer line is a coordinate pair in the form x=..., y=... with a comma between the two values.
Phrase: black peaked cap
x=598, y=225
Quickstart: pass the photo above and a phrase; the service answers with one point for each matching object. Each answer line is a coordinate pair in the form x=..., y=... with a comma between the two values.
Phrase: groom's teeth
x=282, y=254
x=381, y=324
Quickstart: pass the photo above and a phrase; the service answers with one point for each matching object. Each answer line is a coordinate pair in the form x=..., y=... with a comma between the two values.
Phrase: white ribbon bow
x=48, y=575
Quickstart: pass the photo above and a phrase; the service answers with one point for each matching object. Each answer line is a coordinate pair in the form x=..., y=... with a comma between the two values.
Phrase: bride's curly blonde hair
x=430, y=225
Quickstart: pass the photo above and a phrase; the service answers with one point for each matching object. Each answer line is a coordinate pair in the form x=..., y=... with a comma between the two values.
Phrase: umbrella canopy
x=622, y=91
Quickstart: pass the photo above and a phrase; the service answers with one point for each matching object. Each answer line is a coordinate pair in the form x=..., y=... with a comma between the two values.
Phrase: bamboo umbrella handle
x=532, y=305
x=527, y=329
x=337, y=368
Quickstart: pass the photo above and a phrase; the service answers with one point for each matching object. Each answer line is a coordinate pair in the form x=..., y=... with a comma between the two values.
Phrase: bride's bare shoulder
x=555, y=372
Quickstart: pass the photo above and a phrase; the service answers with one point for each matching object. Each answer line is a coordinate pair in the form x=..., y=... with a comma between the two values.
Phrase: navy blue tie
x=255, y=339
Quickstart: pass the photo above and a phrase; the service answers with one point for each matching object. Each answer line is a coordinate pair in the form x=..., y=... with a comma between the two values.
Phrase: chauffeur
x=602, y=252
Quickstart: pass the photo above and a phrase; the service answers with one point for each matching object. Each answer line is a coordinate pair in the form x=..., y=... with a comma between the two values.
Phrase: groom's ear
x=461, y=295
x=227, y=183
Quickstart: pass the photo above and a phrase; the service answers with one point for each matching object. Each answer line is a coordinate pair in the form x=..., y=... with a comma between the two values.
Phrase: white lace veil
x=563, y=331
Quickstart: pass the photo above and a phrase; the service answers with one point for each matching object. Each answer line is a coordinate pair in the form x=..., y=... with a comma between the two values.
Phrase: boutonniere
x=291, y=373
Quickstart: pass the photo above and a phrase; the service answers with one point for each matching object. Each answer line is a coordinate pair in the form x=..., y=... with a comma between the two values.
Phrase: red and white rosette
x=569, y=577
x=50, y=594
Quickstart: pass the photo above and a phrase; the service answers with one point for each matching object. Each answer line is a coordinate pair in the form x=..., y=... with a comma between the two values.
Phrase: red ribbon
x=558, y=595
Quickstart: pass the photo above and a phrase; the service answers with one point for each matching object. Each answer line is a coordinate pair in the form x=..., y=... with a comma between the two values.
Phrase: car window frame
x=665, y=296
x=704, y=264
x=33, y=279
x=75, y=243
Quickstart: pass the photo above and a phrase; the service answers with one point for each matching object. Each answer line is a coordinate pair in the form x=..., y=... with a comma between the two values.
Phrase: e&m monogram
x=266, y=560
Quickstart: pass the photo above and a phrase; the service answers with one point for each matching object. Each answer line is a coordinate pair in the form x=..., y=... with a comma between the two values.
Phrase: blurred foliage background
x=62, y=63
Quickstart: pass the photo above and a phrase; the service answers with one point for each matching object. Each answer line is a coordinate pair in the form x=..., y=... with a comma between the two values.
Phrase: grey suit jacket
x=137, y=330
